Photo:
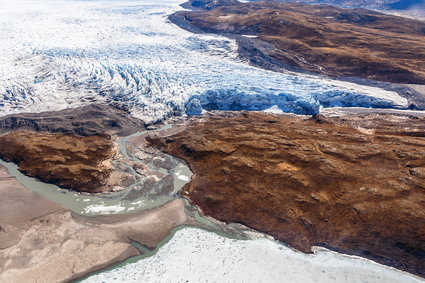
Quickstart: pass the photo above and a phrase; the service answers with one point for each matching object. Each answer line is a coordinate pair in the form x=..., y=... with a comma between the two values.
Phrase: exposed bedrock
x=93, y=119
x=354, y=184
x=70, y=161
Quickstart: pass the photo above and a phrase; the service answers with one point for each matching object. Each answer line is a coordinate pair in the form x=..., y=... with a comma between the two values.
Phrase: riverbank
x=42, y=241
x=153, y=227
x=45, y=226
x=50, y=225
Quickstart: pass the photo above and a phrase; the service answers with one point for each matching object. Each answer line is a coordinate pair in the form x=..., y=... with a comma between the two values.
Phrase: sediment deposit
x=354, y=184
x=43, y=242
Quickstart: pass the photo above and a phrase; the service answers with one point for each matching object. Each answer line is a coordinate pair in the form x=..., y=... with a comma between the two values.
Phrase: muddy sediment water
x=129, y=200
x=228, y=235
x=92, y=205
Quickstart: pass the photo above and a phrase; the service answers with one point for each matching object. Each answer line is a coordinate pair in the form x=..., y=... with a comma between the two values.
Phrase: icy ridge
x=57, y=54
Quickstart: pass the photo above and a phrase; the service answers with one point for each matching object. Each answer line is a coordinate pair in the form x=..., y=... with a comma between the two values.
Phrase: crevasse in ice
x=57, y=54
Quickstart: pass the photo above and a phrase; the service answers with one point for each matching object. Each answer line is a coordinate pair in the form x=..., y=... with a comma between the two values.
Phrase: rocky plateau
x=354, y=184
x=351, y=180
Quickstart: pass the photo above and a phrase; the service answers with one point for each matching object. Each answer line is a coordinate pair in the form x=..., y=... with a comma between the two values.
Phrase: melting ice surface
x=194, y=255
x=56, y=54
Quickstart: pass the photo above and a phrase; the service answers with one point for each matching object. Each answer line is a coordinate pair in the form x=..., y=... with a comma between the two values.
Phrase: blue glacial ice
x=57, y=54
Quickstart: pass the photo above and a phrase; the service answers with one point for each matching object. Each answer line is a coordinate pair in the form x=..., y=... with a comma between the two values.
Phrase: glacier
x=58, y=54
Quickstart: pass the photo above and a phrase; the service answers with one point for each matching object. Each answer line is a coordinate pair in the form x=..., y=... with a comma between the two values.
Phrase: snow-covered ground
x=194, y=255
x=56, y=54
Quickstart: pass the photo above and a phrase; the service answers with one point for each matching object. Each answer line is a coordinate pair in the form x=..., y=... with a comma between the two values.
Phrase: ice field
x=59, y=54
x=194, y=255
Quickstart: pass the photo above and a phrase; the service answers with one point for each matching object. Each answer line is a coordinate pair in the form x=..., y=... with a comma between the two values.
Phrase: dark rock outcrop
x=94, y=119
x=209, y=4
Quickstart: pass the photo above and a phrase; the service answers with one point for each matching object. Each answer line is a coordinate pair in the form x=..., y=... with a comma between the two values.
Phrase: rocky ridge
x=93, y=119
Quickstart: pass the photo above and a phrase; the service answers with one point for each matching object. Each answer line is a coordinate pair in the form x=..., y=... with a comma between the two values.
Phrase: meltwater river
x=121, y=202
x=66, y=53
x=192, y=254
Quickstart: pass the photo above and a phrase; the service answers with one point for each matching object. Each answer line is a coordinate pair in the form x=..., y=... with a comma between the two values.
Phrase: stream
x=120, y=202
x=213, y=252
